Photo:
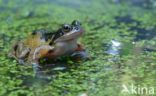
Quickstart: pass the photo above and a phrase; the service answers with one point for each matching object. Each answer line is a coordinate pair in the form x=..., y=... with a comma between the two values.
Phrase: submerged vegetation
x=132, y=24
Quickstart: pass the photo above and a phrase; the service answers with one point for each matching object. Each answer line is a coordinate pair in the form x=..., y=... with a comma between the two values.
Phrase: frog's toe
x=36, y=68
x=80, y=55
x=39, y=74
x=21, y=61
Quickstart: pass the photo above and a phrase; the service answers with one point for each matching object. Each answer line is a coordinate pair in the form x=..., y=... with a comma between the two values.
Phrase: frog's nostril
x=76, y=28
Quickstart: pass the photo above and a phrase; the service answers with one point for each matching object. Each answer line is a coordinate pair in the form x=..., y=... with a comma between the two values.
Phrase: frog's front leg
x=79, y=53
x=36, y=69
x=36, y=65
x=40, y=52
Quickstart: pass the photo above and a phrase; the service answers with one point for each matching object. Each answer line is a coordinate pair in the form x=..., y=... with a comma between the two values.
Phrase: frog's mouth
x=73, y=34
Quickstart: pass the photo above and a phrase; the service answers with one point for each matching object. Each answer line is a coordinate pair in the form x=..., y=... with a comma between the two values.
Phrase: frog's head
x=70, y=31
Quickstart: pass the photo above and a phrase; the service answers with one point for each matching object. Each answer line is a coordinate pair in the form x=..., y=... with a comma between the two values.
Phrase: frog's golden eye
x=66, y=28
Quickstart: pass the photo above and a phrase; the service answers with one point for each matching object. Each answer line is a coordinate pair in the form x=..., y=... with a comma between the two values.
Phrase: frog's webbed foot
x=39, y=74
x=21, y=62
x=80, y=54
x=37, y=70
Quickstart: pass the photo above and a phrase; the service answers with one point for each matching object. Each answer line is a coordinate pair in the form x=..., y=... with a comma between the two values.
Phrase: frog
x=42, y=44
x=64, y=44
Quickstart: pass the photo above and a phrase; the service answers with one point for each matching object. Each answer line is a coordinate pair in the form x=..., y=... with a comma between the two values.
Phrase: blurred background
x=119, y=36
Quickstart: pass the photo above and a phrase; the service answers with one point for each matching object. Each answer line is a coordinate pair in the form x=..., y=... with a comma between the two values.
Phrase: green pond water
x=119, y=37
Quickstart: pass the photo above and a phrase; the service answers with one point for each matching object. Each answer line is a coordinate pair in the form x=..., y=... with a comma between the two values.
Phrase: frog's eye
x=66, y=28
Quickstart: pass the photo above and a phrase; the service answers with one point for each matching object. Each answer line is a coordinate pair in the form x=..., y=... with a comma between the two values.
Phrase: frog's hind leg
x=13, y=51
x=24, y=54
x=80, y=53
x=19, y=53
